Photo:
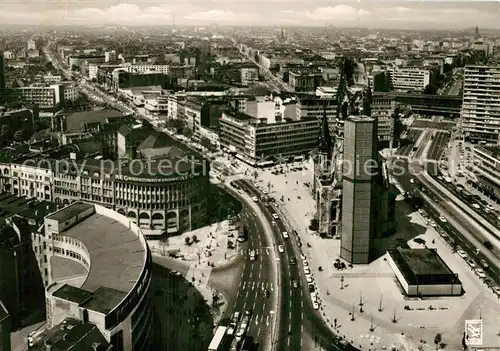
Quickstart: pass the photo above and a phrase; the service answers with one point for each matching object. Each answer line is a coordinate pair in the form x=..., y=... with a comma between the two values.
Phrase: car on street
x=313, y=297
x=310, y=287
x=253, y=255
x=285, y=235
x=476, y=206
x=490, y=206
x=305, y=263
x=281, y=248
x=302, y=257
x=248, y=313
x=480, y=273
x=462, y=253
x=484, y=264
x=295, y=284
x=307, y=270
x=265, y=192
x=316, y=305
x=236, y=317
x=471, y=263
x=442, y=219
x=412, y=180
x=293, y=261
x=275, y=216
x=433, y=224
x=309, y=278
x=255, y=199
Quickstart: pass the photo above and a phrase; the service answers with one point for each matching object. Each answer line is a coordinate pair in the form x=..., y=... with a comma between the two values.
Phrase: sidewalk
x=210, y=250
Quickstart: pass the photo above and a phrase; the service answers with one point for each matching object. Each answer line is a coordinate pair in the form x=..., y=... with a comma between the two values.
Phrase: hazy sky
x=379, y=14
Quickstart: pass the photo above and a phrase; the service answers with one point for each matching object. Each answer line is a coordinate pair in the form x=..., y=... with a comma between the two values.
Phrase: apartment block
x=382, y=109
x=409, y=78
x=480, y=117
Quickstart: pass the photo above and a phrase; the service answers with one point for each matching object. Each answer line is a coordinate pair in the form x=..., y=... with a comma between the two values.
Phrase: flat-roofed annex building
x=114, y=293
x=421, y=272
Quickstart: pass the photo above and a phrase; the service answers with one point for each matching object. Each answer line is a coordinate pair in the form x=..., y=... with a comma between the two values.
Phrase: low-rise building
x=421, y=272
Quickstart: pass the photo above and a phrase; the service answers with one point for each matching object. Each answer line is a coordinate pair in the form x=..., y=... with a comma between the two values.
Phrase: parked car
x=281, y=248
x=462, y=253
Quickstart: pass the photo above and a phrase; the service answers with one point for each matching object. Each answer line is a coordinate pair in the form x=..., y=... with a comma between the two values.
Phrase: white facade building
x=409, y=78
x=480, y=118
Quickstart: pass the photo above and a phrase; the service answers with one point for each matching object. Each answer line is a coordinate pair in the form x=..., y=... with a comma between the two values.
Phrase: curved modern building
x=111, y=303
x=170, y=196
x=162, y=195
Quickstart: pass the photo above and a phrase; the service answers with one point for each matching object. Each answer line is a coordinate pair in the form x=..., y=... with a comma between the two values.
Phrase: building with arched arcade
x=165, y=194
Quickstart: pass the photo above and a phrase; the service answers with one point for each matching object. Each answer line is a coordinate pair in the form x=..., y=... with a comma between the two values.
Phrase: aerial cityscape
x=250, y=176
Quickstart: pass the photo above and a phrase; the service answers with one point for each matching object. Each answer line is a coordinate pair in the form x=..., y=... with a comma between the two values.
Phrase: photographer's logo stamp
x=474, y=332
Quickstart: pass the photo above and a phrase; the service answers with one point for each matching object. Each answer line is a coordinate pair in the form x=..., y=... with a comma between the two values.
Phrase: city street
x=299, y=322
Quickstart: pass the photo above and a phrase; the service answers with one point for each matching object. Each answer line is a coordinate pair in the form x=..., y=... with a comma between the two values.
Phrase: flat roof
x=72, y=335
x=117, y=258
x=423, y=267
x=76, y=122
x=69, y=212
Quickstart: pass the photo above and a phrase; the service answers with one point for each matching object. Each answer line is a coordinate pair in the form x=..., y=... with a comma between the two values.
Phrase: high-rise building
x=2, y=71
x=31, y=45
x=360, y=189
x=480, y=117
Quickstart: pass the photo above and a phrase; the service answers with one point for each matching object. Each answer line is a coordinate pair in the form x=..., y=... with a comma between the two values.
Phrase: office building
x=111, y=302
x=254, y=140
x=409, y=78
x=480, y=118
x=164, y=191
x=305, y=81
x=359, y=195
x=382, y=109
x=314, y=106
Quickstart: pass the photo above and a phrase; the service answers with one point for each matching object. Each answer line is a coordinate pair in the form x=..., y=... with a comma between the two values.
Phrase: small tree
x=195, y=238
x=187, y=132
x=437, y=340
x=187, y=240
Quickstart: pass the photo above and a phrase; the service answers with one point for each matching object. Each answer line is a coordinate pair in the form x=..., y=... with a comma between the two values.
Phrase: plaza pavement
x=375, y=282
x=211, y=249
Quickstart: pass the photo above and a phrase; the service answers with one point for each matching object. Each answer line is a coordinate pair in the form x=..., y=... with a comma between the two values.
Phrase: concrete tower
x=359, y=189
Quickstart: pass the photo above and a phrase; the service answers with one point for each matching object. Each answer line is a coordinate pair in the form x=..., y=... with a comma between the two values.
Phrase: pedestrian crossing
x=266, y=250
x=256, y=286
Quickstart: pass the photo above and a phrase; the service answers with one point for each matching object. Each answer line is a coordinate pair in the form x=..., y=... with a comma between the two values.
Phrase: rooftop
x=117, y=258
x=12, y=204
x=422, y=266
x=71, y=335
x=76, y=122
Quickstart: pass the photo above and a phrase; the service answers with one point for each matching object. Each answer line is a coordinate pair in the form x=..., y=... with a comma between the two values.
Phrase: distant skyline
x=373, y=14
